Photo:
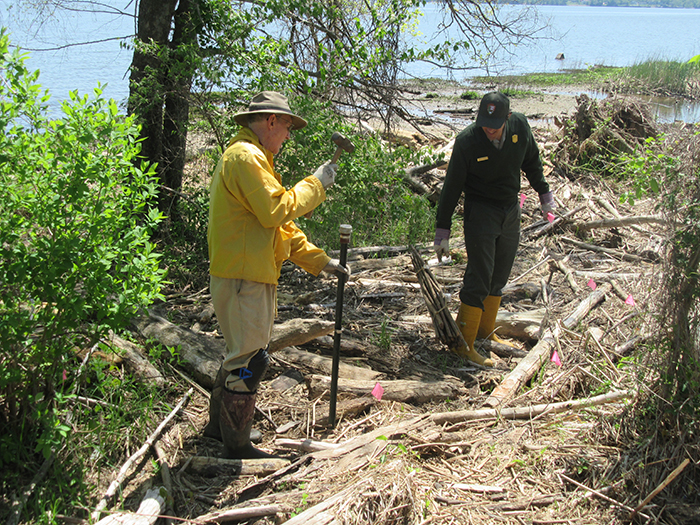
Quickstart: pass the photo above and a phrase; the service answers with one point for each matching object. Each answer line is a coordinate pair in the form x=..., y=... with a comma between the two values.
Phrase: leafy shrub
x=75, y=255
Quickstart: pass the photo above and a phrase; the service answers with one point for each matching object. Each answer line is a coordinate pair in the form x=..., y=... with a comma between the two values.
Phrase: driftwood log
x=148, y=512
x=202, y=354
x=542, y=351
x=239, y=514
x=402, y=390
x=308, y=361
x=209, y=466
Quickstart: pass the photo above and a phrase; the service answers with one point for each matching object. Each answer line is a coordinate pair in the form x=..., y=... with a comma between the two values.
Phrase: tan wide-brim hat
x=269, y=102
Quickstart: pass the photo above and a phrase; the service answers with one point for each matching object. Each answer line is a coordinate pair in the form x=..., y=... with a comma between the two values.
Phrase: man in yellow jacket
x=251, y=233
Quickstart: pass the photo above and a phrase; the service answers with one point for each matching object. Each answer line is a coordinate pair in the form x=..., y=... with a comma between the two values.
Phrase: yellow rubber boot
x=488, y=320
x=468, y=320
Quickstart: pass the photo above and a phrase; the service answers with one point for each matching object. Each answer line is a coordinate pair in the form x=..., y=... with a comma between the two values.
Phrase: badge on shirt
x=515, y=139
x=482, y=159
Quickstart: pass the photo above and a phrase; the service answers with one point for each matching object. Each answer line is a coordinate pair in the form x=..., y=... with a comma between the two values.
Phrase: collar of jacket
x=247, y=135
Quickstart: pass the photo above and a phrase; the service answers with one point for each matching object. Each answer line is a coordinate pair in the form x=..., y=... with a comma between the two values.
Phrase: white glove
x=441, y=244
x=326, y=174
x=336, y=268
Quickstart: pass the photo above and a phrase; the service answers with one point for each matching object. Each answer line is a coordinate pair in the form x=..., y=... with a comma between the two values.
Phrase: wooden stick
x=147, y=514
x=673, y=475
x=623, y=221
x=121, y=476
x=601, y=495
x=600, y=249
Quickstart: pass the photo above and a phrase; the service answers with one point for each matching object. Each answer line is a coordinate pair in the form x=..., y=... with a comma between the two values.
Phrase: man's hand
x=441, y=244
x=547, y=203
x=336, y=268
x=326, y=174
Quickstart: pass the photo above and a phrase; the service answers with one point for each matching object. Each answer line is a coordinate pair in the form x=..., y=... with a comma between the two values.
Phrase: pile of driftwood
x=423, y=437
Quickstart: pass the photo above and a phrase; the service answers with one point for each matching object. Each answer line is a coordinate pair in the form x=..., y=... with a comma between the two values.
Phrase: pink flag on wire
x=630, y=300
x=592, y=285
x=378, y=391
x=555, y=358
x=550, y=217
x=522, y=199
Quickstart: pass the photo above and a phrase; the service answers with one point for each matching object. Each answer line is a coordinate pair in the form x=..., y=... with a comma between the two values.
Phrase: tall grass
x=660, y=77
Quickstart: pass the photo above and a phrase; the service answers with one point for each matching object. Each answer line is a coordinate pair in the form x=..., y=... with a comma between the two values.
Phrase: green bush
x=75, y=256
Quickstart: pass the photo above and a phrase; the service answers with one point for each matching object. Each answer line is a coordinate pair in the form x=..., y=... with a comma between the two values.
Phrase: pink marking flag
x=522, y=199
x=378, y=391
x=630, y=300
x=592, y=285
x=550, y=217
x=555, y=358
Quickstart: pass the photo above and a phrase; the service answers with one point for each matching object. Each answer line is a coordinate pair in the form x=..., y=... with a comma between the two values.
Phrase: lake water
x=611, y=36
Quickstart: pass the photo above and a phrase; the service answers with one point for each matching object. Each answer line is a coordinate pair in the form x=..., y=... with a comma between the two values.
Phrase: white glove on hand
x=441, y=245
x=336, y=268
x=326, y=174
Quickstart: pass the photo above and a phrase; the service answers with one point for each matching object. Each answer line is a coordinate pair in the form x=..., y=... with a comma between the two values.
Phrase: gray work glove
x=547, y=203
x=441, y=244
x=326, y=174
x=336, y=268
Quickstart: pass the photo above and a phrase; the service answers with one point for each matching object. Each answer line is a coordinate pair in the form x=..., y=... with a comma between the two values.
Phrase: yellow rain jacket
x=250, y=231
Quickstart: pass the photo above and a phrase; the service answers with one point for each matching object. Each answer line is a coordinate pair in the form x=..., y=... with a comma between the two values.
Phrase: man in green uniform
x=485, y=166
x=251, y=233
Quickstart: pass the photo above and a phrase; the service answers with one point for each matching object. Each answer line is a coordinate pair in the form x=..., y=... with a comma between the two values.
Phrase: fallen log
x=210, y=467
x=318, y=363
x=520, y=325
x=297, y=332
x=617, y=222
x=601, y=249
x=136, y=363
x=528, y=412
x=403, y=390
x=202, y=355
x=239, y=514
x=542, y=351
x=148, y=512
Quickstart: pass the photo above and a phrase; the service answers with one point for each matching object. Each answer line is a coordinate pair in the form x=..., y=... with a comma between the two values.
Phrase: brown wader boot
x=235, y=422
x=212, y=429
x=468, y=320
x=488, y=320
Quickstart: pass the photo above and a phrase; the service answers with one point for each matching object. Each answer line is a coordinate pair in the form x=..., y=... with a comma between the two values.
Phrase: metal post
x=345, y=232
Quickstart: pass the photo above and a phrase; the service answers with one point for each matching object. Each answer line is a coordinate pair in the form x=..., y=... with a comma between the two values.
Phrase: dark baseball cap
x=493, y=110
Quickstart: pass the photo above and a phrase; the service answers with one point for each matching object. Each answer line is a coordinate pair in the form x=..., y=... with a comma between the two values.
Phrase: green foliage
x=75, y=256
x=645, y=170
x=660, y=77
x=369, y=193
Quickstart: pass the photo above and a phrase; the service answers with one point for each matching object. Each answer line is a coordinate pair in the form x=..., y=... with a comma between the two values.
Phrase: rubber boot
x=212, y=429
x=488, y=320
x=468, y=320
x=236, y=422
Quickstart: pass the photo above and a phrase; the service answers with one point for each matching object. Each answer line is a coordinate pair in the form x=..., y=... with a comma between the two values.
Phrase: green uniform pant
x=491, y=235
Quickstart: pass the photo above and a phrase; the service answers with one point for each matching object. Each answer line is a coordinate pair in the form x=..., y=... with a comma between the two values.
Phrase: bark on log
x=297, y=332
x=623, y=221
x=406, y=391
x=239, y=514
x=136, y=363
x=541, y=352
x=148, y=512
x=520, y=325
x=318, y=363
x=208, y=466
x=202, y=355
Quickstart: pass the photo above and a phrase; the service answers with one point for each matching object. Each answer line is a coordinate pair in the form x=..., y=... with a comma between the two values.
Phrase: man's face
x=279, y=130
x=494, y=133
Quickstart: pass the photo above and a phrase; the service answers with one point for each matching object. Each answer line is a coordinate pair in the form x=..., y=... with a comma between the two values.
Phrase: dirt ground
x=423, y=460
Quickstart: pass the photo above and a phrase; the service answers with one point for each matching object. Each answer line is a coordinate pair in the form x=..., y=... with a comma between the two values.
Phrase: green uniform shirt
x=486, y=174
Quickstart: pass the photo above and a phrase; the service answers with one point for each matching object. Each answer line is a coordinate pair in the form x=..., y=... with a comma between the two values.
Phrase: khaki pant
x=246, y=313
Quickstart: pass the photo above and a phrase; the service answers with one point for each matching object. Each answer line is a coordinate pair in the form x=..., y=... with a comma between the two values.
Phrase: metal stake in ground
x=345, y=232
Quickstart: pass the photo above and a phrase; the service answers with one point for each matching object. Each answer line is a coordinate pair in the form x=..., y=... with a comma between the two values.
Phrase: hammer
x=342, y=143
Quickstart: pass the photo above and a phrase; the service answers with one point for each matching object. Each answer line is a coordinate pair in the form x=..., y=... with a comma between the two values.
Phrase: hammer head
x=342, y=142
